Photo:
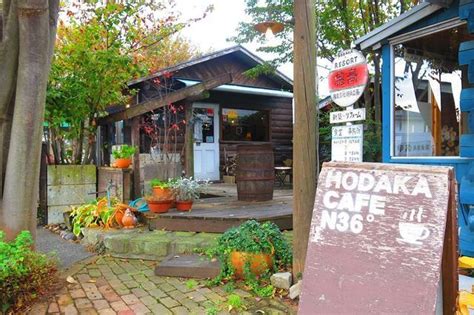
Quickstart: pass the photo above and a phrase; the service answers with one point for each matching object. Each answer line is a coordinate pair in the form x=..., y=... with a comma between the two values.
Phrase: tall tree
x=26, y=46
x=101, y=46
x=340, y=23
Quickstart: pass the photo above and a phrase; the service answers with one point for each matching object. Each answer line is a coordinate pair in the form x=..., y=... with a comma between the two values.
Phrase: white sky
x=211, y=33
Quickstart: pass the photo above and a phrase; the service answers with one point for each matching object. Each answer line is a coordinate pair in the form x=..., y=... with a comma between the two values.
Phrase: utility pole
x=305, y=135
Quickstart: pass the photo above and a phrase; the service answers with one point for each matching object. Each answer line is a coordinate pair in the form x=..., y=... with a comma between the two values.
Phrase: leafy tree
x=100, y=47
x=339, y=23
x=27, y=32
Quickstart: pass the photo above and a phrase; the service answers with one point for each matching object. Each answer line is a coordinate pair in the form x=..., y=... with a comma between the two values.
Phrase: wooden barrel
x=255, y=173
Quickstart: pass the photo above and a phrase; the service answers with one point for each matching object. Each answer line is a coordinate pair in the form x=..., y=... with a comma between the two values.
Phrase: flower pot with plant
x=186, y=190
x=250, y=252
x=123, y=156
x=162, y=189
x=158, y=205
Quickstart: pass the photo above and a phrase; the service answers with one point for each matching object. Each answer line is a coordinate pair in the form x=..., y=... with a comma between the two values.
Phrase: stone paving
x=107, y=285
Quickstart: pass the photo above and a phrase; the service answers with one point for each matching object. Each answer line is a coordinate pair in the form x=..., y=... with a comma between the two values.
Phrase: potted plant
x=251, y=249
x=123, y=156
x=158, y=205
x=162, y=189
x=186, y=190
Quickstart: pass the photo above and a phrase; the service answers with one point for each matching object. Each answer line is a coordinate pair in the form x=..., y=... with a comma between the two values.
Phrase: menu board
x=379, y=236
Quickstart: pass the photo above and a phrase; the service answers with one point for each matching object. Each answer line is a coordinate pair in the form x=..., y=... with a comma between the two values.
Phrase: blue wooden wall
x=463, y=165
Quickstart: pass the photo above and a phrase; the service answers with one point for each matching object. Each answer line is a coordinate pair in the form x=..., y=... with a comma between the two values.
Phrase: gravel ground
x=67, y=252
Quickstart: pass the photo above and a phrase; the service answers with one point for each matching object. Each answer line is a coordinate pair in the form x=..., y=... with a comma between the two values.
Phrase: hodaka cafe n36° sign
x=348, y=77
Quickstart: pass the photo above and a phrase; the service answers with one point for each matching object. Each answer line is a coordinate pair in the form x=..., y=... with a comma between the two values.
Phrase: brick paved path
x=119, y=286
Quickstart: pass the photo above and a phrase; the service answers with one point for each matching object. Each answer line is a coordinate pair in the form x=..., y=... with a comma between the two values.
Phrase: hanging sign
x=347, y=115
x=383, y=240
x=348, y=77
x=347, y=143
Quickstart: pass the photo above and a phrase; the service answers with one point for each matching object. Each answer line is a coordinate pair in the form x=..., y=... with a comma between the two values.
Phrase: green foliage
x=191, y=284
x=124, y=152
x=339, y=23
x=252, y=237
x=102, y=45
x=155, y=182
x=212, y=310
x=95, y=213
x=235, y=302
x=265, y=291
x=24, y=274
x=229, y=287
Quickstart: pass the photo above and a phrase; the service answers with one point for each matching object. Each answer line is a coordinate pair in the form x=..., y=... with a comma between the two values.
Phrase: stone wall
x=69, y=185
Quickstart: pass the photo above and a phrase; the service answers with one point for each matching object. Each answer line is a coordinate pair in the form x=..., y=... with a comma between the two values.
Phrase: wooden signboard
x=383, y=240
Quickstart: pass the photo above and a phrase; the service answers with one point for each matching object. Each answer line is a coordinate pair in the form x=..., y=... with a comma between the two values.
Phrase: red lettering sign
x=348, y=77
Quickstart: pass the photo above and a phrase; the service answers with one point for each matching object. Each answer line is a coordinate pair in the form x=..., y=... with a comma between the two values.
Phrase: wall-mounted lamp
x=269, y=29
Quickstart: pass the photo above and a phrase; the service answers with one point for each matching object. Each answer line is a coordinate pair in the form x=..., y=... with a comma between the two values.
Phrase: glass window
x=204, y=125
x=428, y=83
x=244, y=125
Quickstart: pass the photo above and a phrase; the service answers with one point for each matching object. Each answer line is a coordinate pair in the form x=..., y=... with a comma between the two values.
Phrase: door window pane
x=204, y=125
x=244, y=125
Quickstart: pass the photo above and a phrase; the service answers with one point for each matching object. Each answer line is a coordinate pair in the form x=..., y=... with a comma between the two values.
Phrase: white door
x=206, y=141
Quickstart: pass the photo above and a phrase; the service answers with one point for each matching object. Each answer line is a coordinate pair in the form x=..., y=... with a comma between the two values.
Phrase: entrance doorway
x=206, y=141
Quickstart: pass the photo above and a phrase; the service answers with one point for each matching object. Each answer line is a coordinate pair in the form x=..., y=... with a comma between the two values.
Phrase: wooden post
x=136, y=158
x=305, y=163
x=188, y=140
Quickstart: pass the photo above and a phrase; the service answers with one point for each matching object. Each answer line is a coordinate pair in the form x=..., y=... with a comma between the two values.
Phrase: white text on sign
x=355, y=198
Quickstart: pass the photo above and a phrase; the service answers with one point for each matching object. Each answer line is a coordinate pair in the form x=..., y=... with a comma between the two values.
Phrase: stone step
x=188, y=266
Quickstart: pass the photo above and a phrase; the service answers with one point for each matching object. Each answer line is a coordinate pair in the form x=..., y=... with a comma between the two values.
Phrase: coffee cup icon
x=412, y=233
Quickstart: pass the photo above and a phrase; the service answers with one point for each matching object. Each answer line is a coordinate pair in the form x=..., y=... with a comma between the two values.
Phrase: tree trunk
x=8, y=64
x=36, y=34
x=305, y=138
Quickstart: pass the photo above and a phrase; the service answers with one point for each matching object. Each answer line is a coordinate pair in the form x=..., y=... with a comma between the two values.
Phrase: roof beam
x=148, y=106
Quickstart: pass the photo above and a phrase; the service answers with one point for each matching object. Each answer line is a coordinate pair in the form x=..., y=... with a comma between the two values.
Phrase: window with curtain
x=427, y=87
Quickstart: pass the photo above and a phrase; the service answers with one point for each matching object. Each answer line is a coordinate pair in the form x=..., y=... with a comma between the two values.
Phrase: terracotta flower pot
x=163, y=193
x=184, y=205
x=122, y=163
x=259, y=262
x=159, y=206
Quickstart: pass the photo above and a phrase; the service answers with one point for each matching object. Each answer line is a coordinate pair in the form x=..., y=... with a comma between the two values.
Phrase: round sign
x=348, y=77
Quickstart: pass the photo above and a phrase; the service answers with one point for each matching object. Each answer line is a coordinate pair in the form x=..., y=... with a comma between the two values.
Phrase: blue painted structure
x=431, y=15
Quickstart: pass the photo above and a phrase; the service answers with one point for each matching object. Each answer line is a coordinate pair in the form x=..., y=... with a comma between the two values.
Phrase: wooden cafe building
x=222, y=106
x=428, y=94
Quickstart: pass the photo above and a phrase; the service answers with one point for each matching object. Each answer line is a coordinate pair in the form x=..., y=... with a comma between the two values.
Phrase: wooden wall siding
x=229, y=63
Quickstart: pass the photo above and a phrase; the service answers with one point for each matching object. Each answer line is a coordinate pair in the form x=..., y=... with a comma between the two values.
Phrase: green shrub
x=24, y=273
x=252, y=237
